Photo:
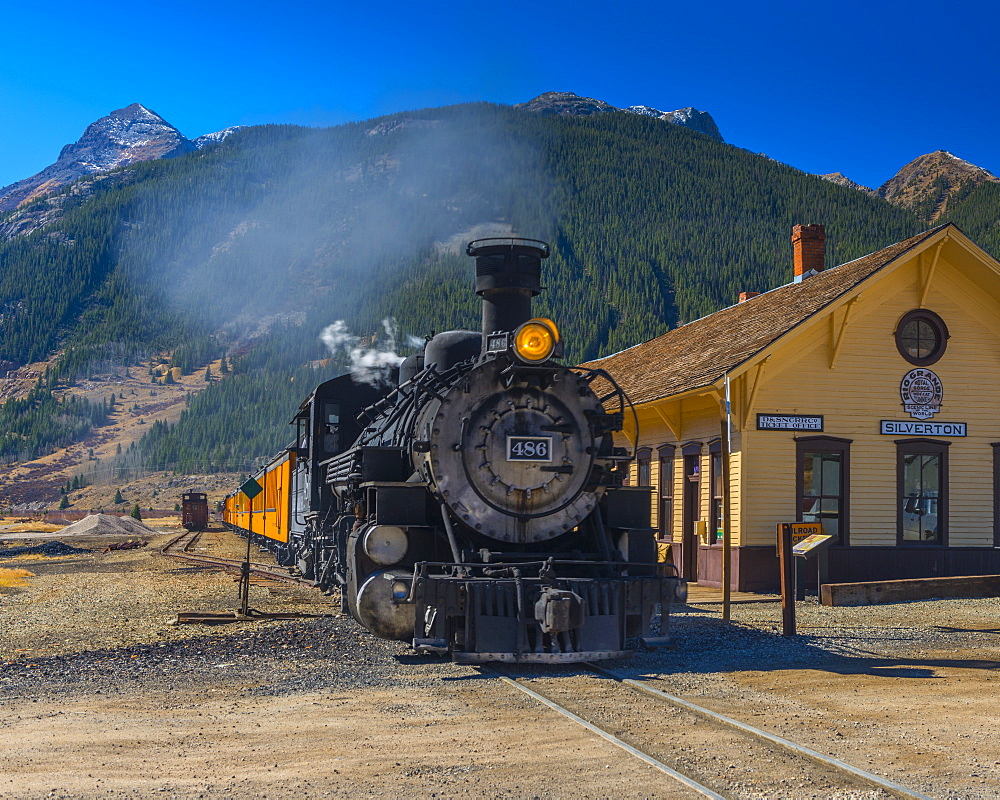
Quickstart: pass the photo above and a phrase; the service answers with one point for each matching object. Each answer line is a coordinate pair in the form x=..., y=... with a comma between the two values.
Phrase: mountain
x=841, y=179
x=567, y=103
x=251, y=248
x=692, y=118
x=124, y=137
x=929, y=183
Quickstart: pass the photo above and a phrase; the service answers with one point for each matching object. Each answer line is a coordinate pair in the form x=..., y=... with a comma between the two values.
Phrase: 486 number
x=529, y=448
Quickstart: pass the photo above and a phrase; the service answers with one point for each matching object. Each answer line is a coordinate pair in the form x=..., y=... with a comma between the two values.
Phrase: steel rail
x=830, y=762
x=633, y=751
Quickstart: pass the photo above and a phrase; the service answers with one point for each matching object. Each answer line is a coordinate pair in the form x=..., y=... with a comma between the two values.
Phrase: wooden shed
x=863, y=397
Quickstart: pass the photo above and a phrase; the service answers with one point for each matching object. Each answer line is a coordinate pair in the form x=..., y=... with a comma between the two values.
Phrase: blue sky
x=861, y=88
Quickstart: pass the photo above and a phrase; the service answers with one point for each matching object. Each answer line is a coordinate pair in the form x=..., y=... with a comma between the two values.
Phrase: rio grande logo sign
x=922, y=392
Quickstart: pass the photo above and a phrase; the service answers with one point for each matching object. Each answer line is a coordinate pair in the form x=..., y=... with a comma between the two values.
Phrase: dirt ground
x=101, y=697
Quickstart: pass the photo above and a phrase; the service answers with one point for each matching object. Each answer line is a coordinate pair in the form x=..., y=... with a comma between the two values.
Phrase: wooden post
x=250, y=489
x=787, y=565
x=245, y=566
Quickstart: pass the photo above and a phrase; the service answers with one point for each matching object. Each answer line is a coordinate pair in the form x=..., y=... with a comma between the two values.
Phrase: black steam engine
x=476, y=507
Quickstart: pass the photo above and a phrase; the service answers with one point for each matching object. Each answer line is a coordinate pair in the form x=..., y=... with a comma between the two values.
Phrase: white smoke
x=371, y=358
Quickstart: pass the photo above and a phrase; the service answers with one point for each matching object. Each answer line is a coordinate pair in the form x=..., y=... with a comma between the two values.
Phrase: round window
x=921, y=337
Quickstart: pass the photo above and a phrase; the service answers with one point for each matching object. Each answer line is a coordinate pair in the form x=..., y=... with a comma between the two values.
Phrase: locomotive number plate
x=529, y=448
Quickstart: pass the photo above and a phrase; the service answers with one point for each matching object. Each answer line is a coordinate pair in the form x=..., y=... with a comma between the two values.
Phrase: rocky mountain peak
x=567, y=103
x=841, y=179
x=692, y=118
x=125, y=136
x=929, y=182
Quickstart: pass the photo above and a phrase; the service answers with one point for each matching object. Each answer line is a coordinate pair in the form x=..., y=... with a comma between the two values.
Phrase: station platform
x=699, y=595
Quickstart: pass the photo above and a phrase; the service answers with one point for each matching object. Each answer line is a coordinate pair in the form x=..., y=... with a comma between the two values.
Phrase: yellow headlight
x=536, y=339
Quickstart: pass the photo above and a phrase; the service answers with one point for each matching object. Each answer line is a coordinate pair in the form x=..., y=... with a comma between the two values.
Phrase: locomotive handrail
x=623, y=399
x=422, y=566
x=427, y=382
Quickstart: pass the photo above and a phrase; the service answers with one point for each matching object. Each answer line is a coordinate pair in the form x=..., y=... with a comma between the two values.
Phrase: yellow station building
x=865, y=397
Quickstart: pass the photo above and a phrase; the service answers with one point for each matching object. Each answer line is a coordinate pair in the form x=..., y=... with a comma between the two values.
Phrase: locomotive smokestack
x=508, y=275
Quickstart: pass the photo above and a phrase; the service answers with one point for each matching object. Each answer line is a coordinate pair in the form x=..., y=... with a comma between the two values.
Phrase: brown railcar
x=194, y=511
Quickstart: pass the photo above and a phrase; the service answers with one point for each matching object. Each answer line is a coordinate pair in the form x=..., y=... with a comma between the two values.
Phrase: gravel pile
x=107, y=524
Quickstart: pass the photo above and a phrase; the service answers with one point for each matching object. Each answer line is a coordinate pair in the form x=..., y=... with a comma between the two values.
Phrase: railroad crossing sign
x=251, y=488
x=800, y=531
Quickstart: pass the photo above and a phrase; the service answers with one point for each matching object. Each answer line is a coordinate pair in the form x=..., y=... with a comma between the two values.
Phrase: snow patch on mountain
x=218, y=136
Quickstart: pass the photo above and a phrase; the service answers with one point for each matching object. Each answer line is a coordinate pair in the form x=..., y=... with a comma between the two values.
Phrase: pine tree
x=118, y=497
x=64, y=503
x=136, y=513
x=208, y=374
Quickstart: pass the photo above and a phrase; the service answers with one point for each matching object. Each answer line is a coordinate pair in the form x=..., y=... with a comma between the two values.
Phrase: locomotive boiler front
x=514, y=463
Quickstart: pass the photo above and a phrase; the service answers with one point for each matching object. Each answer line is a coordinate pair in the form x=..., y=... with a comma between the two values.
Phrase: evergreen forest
x=251, y=247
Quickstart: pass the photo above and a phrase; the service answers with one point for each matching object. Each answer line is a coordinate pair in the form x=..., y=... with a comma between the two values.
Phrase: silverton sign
x=891, y=427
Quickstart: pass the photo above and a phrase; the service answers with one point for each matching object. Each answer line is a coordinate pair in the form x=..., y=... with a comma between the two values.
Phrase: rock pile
x=53, y=548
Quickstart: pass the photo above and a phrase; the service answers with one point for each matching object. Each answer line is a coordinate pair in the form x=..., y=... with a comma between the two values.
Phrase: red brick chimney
x=808, y=249
x=744, y=296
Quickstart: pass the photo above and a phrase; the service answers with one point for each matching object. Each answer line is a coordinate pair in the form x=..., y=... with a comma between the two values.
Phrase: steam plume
x=371, y=360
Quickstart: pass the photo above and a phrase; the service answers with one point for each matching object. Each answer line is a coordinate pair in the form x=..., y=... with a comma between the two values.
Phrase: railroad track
x=706, y=753
x=180, y=547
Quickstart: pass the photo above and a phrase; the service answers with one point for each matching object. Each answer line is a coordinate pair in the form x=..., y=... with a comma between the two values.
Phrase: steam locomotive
x=475, y=508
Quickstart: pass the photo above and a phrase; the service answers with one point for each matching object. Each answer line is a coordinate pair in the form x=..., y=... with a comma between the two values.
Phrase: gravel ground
x=103, y=698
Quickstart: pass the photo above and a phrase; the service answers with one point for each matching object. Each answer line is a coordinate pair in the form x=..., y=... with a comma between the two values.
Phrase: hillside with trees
x=251, y=247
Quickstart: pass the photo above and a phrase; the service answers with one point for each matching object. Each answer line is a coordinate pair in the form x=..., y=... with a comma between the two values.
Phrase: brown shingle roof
x=700, y=353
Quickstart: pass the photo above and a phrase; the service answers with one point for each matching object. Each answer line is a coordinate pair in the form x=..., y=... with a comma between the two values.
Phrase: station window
x=716, y=511
x=921, y=337
x=823, y=480
x=666, y=491
x=922, y=491
x=643, y=473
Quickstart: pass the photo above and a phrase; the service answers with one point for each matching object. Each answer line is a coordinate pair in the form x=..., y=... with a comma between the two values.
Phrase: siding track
x=180, y=546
